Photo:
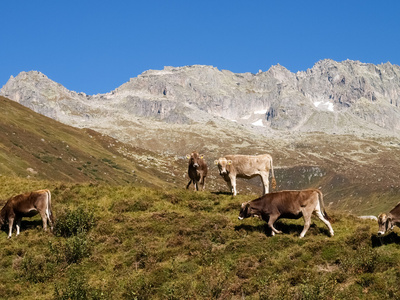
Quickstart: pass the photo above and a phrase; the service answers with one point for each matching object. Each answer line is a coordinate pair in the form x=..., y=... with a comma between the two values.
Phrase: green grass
x=145, y=243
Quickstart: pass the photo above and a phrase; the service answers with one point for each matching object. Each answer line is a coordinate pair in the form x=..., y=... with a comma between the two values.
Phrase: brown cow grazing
x=289, y=205
x=27, y=205
x=197, y=170
x=388, y=221
x=246, y=166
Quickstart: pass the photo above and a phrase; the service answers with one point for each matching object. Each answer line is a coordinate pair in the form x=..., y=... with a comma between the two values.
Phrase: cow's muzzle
x=381, y=233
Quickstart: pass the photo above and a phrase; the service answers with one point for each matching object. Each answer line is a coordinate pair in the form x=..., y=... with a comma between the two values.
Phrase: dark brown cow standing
x=287, y=204
x=197, y=170
x=27, y=205
x=388, y=221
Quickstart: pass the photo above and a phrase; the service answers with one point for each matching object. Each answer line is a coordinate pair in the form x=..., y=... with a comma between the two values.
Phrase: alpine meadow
x=126, y=227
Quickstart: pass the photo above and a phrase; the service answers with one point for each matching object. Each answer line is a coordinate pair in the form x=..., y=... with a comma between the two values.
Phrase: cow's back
x=396, y=211
x=26, y=202
x=286, y=201
x=249, y=164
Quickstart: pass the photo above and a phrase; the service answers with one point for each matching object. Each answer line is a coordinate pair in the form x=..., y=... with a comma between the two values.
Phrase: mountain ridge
x=273, y=100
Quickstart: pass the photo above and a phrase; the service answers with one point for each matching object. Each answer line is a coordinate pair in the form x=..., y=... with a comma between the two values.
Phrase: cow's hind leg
x=326, y=222
x=18, y=225
x=265, y=183
x=44, y=219
x=49, y=218
x=203, y=183
x=10, y=226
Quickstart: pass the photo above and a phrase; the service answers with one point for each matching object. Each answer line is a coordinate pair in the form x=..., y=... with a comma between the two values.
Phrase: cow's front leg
x=233, y=184
x=190, y=181
x=196, y=185
x=229, y=186
x=307, y=223
x=271, y=222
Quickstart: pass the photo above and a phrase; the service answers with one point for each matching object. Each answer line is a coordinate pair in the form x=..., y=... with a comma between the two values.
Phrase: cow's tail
x=273, y=181
x=49, y=210
x=322, y=206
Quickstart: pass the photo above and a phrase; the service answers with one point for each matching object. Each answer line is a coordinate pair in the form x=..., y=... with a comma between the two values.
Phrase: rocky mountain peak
x=333, y=97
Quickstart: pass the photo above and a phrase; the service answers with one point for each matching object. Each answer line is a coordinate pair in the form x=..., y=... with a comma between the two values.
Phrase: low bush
x=71, y=250
x=78, y=288
x=73, y=222
x=37, y=268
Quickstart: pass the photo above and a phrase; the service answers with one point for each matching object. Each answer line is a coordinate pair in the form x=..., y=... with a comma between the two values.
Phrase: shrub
x=73, y=250
x=78, y=288
x=74, y=222
x=36, y=268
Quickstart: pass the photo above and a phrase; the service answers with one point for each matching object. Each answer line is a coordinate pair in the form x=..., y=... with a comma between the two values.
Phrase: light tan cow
x=246, y=166
x=290, y=205
x=27, y=205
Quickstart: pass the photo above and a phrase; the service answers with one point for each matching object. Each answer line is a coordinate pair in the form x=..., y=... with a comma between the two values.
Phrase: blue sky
x=95, y=46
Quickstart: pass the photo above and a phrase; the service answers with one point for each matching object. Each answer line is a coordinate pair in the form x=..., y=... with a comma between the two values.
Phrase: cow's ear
x=229, y=162
x=187, y=156
x=215, y=162
x=201, y=156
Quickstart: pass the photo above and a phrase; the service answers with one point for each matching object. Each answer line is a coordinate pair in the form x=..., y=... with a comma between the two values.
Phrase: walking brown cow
x=287, y=204
x=27, y=205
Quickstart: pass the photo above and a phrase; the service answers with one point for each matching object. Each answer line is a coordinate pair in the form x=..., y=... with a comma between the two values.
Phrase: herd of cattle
x=270, y=206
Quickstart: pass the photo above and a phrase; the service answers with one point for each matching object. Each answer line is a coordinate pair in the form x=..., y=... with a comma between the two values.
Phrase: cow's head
x=223, y=164
x=385, y=223
x=245, y=211
x=194, y=159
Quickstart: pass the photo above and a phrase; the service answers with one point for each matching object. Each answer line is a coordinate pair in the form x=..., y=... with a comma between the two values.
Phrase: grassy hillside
x=34, y=146
x=359, y=175
x=127, y=242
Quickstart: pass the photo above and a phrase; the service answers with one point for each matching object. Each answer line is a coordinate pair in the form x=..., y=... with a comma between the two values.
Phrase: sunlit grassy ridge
x=34, y=146
x=145, y=243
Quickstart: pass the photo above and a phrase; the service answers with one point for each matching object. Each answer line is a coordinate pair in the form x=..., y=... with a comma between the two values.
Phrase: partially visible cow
x=197, y=170
x=289, y=205
x=246, y=166
x=27, y=205
x=372, y=218
x=388, y=221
